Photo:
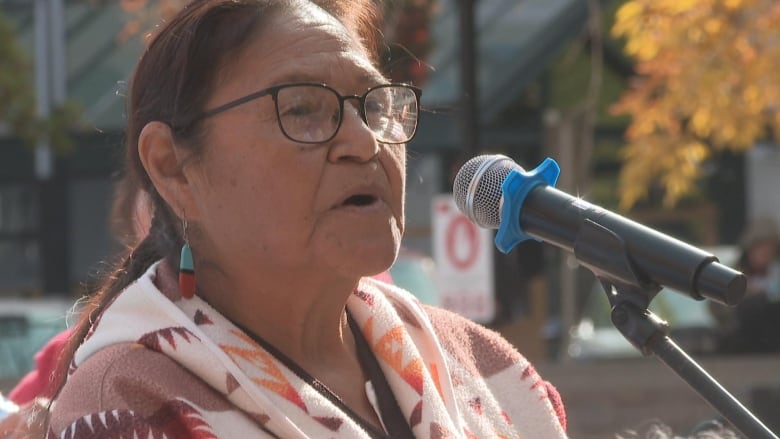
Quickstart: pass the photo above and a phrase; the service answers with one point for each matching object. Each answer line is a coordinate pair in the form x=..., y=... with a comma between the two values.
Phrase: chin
x=370, y=260
x=361, y=251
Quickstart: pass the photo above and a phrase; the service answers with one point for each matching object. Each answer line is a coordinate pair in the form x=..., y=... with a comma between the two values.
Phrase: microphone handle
x=558, y=218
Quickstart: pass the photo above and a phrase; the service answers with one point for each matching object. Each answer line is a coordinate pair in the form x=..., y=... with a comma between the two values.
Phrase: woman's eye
x=375, y=107
x=298, y=109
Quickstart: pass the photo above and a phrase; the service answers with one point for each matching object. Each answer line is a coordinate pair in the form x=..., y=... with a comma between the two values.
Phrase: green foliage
x=17, y=99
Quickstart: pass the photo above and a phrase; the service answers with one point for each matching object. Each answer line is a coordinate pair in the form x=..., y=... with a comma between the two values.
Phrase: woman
x=285, y=193
x=753, y=325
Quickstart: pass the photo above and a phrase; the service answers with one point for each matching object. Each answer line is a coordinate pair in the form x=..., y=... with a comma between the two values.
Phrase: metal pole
x=43, y=157
x=469, y=96
x=58, y=47
x=568, y=275
x=561, y=143
x=50, y=82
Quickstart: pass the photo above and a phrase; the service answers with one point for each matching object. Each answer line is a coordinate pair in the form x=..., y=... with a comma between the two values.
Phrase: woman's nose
x=355, y=140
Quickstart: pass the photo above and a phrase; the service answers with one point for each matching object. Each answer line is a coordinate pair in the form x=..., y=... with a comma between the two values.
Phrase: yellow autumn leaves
x=709, y=78
x=142, y=13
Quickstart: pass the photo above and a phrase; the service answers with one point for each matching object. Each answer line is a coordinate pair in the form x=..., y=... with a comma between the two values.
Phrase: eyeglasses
x=312, y=113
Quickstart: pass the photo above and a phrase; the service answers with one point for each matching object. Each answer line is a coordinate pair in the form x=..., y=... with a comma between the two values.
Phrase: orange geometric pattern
x=390, y=349
x=434, y=370
x=266, y=363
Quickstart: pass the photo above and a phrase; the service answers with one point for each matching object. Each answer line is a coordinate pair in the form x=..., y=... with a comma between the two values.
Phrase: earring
x=186, y=269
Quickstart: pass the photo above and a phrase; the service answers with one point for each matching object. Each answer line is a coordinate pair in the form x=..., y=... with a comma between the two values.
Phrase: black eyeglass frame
x=274, y=93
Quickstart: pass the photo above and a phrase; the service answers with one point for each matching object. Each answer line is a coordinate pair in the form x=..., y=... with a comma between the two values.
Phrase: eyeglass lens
x=311, y=113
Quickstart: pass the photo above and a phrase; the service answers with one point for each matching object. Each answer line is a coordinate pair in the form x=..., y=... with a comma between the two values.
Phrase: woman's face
x=761, y=254
x=269, y=205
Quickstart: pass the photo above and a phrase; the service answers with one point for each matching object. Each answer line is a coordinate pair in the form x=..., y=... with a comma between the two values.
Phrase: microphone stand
x=604, y=253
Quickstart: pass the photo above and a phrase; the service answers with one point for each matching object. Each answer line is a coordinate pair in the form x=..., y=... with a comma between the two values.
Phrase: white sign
x=464, y=262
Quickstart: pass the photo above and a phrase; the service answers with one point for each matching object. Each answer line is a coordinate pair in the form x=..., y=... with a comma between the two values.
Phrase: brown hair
x=171, y=83
x=123, y=219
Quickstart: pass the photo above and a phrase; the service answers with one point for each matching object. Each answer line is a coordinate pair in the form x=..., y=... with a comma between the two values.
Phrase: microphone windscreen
x=477, y=188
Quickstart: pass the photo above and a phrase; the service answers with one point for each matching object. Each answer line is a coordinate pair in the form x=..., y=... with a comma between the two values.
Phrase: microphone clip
x=515, y=188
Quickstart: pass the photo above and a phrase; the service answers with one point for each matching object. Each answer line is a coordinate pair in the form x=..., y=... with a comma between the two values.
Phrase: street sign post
x=464, y=262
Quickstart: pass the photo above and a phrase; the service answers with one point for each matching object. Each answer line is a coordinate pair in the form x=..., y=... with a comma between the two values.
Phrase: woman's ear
x=163, y=163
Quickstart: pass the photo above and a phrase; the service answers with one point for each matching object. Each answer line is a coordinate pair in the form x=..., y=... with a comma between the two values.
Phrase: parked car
x=692, y=326
x=25, y=326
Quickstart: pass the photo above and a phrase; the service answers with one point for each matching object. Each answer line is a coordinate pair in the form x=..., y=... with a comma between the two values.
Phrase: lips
x=360, y=200
x=361, y=197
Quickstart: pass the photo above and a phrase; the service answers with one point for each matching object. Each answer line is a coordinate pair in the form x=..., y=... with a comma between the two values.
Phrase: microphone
x=495, y=192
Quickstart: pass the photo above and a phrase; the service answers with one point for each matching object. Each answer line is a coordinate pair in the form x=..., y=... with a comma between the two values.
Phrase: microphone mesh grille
x=477, y=188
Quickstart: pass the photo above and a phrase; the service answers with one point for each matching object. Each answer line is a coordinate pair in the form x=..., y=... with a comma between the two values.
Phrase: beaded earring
x=186, y=269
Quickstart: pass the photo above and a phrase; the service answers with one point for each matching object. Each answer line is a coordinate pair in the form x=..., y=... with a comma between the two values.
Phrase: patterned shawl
x=450, y=377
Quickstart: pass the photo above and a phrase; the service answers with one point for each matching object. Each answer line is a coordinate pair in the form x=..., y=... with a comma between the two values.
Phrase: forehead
x=303, y=44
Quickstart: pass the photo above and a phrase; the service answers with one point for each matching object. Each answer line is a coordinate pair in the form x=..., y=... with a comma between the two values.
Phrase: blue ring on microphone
x=514, y=190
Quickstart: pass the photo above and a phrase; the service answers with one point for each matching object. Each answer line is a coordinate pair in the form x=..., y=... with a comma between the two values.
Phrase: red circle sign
x=460, y=229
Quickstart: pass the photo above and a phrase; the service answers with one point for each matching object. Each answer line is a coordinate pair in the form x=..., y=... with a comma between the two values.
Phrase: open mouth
x=360, y=200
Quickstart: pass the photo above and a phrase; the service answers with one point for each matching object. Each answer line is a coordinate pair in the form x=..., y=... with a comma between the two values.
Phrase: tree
x=17, y=98
x=17, y=101
x=707, y=81
x=405, y=31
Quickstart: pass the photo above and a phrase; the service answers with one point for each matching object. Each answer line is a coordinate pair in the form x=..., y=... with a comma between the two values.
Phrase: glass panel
x=513, y=37
x=19, y=252
x=19, y=267
x=18, y=209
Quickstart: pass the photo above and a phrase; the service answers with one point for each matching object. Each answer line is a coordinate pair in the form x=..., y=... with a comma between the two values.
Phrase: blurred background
x=667, y=111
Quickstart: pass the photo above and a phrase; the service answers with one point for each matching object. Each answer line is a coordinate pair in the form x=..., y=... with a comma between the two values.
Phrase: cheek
x=224, y=187
x=247, y=217
x=396, y=170
x=263, y=196
x=394, y=163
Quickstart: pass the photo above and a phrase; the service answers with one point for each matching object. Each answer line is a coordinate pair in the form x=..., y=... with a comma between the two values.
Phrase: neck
x=307, y=325
x=303, y=320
